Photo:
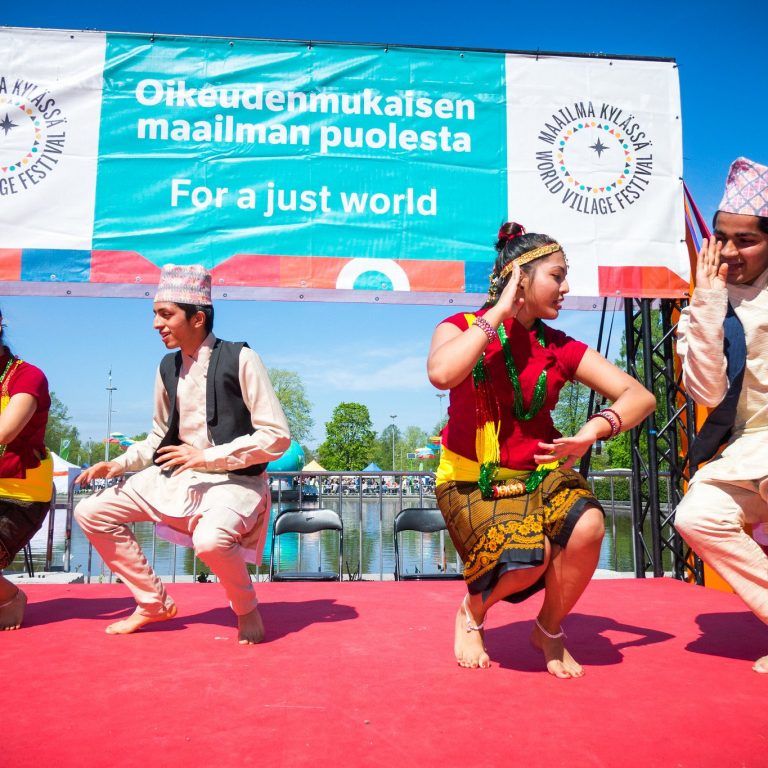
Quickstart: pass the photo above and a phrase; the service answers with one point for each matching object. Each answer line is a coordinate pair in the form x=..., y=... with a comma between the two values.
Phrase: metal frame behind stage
x=660, y=466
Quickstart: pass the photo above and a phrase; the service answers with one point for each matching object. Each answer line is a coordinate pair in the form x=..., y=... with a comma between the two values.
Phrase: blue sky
x=375, y=354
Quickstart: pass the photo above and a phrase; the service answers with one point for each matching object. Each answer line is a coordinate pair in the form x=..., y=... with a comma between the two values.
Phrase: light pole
x=440, y=396
x=110, y=390
x=393, y=416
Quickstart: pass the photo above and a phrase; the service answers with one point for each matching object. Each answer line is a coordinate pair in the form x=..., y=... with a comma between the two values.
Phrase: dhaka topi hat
x=184, y=284
x=746, y=189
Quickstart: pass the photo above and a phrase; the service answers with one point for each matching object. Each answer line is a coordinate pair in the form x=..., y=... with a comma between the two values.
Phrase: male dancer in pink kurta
x=217, y=422
x=723, y=342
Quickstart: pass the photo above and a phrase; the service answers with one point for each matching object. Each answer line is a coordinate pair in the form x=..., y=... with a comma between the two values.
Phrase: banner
x=308, y=171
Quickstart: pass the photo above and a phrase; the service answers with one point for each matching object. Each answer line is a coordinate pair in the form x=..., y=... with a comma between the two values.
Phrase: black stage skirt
x=493, y=536
x=19, y=522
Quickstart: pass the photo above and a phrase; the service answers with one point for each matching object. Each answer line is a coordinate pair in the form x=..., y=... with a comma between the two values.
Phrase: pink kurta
x=700, y=344
x=185, y=494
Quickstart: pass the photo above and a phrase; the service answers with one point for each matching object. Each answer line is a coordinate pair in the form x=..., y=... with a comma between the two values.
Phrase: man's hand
x=181, y=457
x=107, y=469
x=711, y=271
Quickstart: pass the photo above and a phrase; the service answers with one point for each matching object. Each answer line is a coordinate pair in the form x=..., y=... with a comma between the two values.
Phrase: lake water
x=368, y=545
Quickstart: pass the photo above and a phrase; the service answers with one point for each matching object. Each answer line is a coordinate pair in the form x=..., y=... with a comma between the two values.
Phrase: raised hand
x=510, y=301
x=711, y=270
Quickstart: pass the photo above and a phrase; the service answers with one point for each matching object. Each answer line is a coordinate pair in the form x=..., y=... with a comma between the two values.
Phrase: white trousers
x=216, y=535
x=711, y=518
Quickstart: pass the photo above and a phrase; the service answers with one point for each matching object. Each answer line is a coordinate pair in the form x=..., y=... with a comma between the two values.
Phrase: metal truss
x=660, y=444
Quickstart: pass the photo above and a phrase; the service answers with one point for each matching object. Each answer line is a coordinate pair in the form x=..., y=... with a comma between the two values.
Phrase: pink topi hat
x=746, y=189
x=190, y=284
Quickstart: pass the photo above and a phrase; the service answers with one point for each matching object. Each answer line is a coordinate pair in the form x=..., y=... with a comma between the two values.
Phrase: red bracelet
x=486, y=328
x=618, y=417
x=612, y=418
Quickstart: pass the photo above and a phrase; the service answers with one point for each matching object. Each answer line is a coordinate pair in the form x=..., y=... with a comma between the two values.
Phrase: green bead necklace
x=540, y=388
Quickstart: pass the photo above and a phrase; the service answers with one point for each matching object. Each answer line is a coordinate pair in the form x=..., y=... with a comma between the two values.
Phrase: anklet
x=12, y=600
x=470, y=626
x=551, y=636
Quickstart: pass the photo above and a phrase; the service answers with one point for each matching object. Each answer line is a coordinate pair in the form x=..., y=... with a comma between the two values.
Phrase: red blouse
x=518, y=439
x=28, y=448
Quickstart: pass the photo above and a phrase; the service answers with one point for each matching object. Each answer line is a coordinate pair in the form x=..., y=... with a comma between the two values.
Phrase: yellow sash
x=36, y=486
x=460, y=469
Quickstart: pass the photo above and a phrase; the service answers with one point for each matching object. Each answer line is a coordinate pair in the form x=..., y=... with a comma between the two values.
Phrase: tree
x=289, y=389
x=59, y=429
x=349, y=439
x=382, y=450
x=571, y=410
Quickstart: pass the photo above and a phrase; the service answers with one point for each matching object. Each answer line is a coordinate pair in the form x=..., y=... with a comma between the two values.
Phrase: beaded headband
x=536, y=253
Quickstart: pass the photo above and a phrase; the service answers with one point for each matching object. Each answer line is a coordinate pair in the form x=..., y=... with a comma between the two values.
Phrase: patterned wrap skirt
x=493, y=536
x=19, y=522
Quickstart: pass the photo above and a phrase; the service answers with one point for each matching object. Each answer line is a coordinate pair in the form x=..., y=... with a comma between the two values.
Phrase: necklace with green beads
x=539, y=389
x=488, y=426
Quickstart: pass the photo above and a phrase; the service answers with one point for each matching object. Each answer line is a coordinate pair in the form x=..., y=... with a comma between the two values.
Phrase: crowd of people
x=521, y=518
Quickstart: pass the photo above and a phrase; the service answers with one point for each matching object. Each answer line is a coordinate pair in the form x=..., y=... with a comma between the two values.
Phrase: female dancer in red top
x=26, y=469
x=520, y=517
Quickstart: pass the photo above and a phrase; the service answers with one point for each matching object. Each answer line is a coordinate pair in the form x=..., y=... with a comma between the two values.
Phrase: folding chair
x=423, y=520
x=303, y=521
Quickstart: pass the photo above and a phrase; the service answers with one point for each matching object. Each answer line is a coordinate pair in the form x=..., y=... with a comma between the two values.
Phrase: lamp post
x=393, y=416
x=440, y=396
x=110, y=390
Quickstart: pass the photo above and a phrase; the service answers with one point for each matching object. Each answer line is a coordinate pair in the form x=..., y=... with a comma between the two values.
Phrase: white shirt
x=194, y=489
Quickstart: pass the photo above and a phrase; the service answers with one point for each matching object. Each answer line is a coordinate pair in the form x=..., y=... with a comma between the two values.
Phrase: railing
x=368, y=502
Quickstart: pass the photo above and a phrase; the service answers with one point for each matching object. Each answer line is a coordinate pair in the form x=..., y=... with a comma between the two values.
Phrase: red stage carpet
x=362, y=674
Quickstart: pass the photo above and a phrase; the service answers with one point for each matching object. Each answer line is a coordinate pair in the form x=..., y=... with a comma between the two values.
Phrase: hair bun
x=508, y=231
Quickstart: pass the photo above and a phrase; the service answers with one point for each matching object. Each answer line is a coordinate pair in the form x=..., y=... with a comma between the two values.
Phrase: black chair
x=303, y=521
x=423, y=520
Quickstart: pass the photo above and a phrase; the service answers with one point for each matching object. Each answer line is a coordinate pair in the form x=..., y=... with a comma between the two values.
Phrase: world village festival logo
x=600, y=161
x=32, y=135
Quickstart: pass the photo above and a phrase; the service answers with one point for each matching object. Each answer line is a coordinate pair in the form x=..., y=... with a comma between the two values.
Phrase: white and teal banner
x=328, y=171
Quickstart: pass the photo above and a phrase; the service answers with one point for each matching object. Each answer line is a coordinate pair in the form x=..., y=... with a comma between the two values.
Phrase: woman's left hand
x=566, y=449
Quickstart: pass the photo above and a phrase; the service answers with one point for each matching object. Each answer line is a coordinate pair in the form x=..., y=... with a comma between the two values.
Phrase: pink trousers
x=711, y=518
x=216, y=534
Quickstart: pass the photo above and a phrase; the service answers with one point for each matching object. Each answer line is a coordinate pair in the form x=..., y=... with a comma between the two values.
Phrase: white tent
x=61, y=469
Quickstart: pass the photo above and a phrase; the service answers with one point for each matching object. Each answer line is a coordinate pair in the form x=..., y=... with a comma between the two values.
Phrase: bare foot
x=250, y=628
x=12, y=612
x=559, y=662
x=138, y=620
x=761, y=665
x=468, y=644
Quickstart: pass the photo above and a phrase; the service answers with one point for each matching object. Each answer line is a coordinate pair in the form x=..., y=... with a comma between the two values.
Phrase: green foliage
x=619, y=449
x=60, y=428
x=290, y=391
x=405, y=442
x=571, y=409
x=349, y=441
x=382, y=449
x=80, y=451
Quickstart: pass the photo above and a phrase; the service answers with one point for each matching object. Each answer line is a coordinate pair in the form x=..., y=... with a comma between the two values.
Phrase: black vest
x=719, y=424
x=227, y=415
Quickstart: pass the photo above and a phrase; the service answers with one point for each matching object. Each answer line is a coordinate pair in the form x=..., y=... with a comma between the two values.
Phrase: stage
x=362, y=674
